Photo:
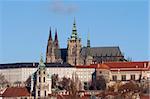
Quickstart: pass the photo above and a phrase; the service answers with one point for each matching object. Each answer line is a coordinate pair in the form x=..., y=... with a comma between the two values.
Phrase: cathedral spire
x=88, y=40
x=74, y=31
x=56, y=37
x=50, y=34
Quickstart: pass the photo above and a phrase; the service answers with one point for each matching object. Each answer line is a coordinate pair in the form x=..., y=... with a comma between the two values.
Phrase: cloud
x=61, y=8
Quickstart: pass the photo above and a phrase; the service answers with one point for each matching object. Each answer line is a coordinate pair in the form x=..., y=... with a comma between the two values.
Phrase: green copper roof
x=41, y=63
x=88, y=40
x=74, y=31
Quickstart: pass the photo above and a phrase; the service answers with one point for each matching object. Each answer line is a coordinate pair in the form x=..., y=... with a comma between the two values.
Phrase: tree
x=65, y=83
x=55, y=79
x=75, y=86
x=98, y=83
x=3, y=81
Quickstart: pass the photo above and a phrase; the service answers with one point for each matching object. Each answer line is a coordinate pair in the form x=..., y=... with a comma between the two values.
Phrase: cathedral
x=75, y=54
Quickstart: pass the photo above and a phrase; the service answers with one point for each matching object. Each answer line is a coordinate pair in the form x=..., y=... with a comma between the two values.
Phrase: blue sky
x=24, y=26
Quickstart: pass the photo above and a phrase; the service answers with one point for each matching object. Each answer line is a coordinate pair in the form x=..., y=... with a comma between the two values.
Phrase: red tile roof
x=128, y=66
x=103, y=66
x=16, y=92
x=145, y=97
x=122, y=66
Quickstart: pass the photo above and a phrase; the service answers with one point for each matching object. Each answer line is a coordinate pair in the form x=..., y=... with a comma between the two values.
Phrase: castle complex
x=75, y=54
x=82, y=65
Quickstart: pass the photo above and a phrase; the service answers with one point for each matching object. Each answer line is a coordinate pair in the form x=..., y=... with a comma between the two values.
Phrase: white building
x=123, y=71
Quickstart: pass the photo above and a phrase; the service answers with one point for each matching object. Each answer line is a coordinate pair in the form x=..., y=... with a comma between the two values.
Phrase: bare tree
x=55, y=79
x=3, y=81
x=75, y=86
x=98, y=83
x=65, y=83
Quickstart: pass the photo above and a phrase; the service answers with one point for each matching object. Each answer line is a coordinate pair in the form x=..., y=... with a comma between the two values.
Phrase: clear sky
x=24, y=26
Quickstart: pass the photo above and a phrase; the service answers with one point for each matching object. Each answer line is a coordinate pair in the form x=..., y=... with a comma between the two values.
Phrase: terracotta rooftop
x=128, y=66
x=16, y=92
x=103, y=66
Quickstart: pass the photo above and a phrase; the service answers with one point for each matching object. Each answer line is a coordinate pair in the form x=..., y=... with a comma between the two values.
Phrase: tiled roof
x=128, y=66
x=103, y=66
x=98, y=53
x=16, y=92
x=103, y=51
x=33, y=65
x=145, y=96
x=121, y=66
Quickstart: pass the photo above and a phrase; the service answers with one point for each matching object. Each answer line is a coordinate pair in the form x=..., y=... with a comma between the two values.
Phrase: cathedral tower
x=74, y=47
x=50, y=56
x=53, y=54
x=57, y=49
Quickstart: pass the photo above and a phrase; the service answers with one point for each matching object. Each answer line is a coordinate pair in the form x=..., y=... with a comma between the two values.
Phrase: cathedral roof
x=96, y=52
x=103, y=51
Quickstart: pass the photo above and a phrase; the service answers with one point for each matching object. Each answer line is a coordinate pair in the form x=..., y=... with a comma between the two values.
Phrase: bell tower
x=53, y=54
x=74, y=47
x=42, y=87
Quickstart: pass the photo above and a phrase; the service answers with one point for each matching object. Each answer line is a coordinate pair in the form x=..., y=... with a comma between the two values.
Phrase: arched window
x=44, y=79
x=39, y=79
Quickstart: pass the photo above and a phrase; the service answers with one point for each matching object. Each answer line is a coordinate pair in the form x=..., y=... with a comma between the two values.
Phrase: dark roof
x=97, y=52
x=103, y=51
x=33, y=65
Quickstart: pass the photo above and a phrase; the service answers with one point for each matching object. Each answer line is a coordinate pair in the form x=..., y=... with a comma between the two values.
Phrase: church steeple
x=74, y=35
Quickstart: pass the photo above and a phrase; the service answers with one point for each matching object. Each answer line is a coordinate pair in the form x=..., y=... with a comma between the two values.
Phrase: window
x=39, y=79
x=39, y=72
x=45, y=92
x=44, y=72
x=132, y=77
x=44, y=79
x=114, y=77
x=39, y=93
x=123, y=77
